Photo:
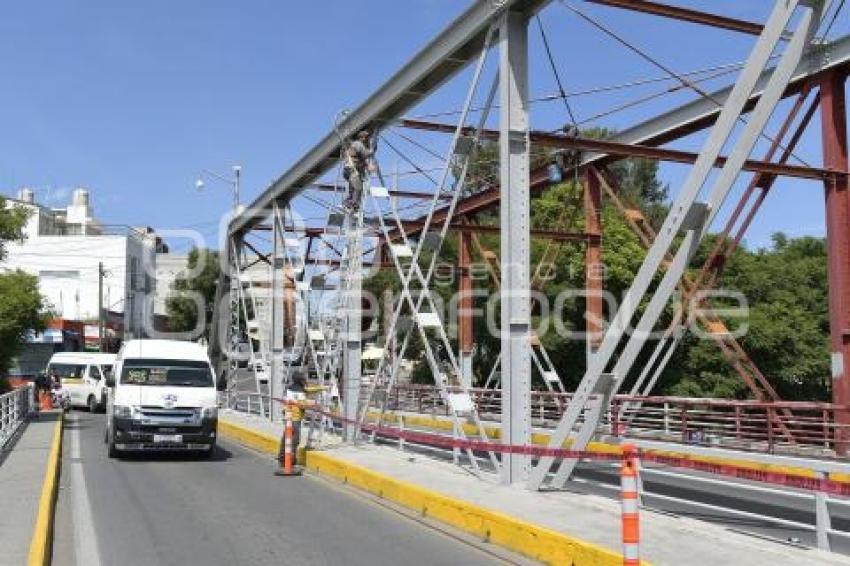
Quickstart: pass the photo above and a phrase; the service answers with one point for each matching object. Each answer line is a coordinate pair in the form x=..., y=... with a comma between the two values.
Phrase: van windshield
x=67, y=371
x=184, y=373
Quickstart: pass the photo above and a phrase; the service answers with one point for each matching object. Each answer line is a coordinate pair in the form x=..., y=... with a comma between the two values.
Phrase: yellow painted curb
x=542, y=439
x=533, y=541
x=257, y=440
x=41, y=545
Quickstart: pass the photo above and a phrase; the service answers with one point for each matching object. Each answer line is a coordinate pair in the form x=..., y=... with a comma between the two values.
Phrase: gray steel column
x=234, y=244
x=515, y=240
x=352, y=356
x=276, y=385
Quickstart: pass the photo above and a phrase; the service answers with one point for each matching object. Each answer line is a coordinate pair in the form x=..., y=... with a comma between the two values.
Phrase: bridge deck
x=230, y=510
x=665, y=538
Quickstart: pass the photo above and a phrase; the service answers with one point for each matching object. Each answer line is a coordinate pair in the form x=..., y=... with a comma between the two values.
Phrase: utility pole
x=100, y=317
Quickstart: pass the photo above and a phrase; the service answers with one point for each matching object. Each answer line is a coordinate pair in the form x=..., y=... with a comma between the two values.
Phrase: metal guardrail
x=823, y=504
x=258, y=404
x=15, y=406
x=780, y=427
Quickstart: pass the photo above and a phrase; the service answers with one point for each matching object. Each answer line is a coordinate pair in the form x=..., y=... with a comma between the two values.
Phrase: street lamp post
x=200, y=184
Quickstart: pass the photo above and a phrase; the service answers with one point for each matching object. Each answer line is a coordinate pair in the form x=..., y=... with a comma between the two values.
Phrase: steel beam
x=702, y=112
x=352, y=365
x=289, y=308
x=465, y=305
x=556, y=235
x=278, y=310
x=682, y=209
x=621, y=150
x=681, y=121
x=834, y=133
x=684, y=14
x=514, y=166
x=447, y=54
x=415, y=195
x=593, y=261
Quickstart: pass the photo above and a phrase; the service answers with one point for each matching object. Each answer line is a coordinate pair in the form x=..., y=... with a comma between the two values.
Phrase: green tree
x=787, y=333
x=181, y=305
x=22, y=308
x=785, y=287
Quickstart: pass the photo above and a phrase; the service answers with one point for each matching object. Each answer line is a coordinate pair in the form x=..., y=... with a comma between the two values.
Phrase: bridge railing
x=259, y=404
x=779, y=427
x=773, y=427
x=821, y=494
x=15, y=406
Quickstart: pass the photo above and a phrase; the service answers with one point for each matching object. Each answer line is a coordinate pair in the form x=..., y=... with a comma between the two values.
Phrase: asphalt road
x=175, y=510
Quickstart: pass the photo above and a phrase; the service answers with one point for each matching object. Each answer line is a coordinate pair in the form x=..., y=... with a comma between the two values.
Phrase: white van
x=162, y=397
x=83, y=376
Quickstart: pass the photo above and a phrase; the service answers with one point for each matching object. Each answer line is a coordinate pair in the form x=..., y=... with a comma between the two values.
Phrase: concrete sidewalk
x=21, y=479
x=665, y=539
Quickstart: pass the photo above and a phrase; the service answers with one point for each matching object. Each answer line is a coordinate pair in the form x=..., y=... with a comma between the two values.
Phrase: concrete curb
x=41, y=545
x=533, y=541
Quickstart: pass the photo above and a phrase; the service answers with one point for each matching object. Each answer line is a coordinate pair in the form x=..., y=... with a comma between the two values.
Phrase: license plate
x=168, y=438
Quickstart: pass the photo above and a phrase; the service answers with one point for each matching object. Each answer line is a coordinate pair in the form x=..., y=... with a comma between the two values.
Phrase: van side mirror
x=110, y=380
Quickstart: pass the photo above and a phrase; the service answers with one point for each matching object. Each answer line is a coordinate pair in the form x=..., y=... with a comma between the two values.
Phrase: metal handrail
x=744, y=424
x=15, y=407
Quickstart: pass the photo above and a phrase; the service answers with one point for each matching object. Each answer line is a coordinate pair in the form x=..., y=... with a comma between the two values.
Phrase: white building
x=168, y=268
x=64, y=247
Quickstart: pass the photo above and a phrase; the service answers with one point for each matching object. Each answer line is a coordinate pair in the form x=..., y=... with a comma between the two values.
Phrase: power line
x=561, y=92
x=649, y=97
x=554, y=97
x=409, y=161
x=652, y=60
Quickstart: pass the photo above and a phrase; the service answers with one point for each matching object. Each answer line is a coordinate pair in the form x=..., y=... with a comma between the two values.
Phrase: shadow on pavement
x=219, y=455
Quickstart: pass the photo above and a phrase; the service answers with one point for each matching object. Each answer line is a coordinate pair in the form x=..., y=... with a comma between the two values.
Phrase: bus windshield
x=184, y=373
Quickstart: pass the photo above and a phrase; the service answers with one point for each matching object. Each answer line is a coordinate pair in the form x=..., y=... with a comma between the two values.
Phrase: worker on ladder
x=358, y=163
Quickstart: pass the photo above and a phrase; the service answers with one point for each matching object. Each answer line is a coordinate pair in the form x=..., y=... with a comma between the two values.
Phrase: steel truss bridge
x=293, y=289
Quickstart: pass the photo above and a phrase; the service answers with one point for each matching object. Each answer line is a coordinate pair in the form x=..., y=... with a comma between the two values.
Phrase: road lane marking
x=85, y=537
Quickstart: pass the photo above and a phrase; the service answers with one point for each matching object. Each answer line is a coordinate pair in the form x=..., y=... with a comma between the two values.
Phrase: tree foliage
x=788, y=326
x=22, y=308
x=785, y=287
x=181, y=304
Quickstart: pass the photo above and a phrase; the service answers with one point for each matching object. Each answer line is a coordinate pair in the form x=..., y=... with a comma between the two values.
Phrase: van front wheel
x=92, y=404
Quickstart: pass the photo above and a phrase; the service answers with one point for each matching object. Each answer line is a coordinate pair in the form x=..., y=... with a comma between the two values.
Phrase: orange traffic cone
x=630, y=513
x=45, y=401
x=287, y=467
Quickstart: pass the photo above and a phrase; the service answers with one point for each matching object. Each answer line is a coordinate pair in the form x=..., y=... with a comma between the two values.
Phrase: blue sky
x=132, y=99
